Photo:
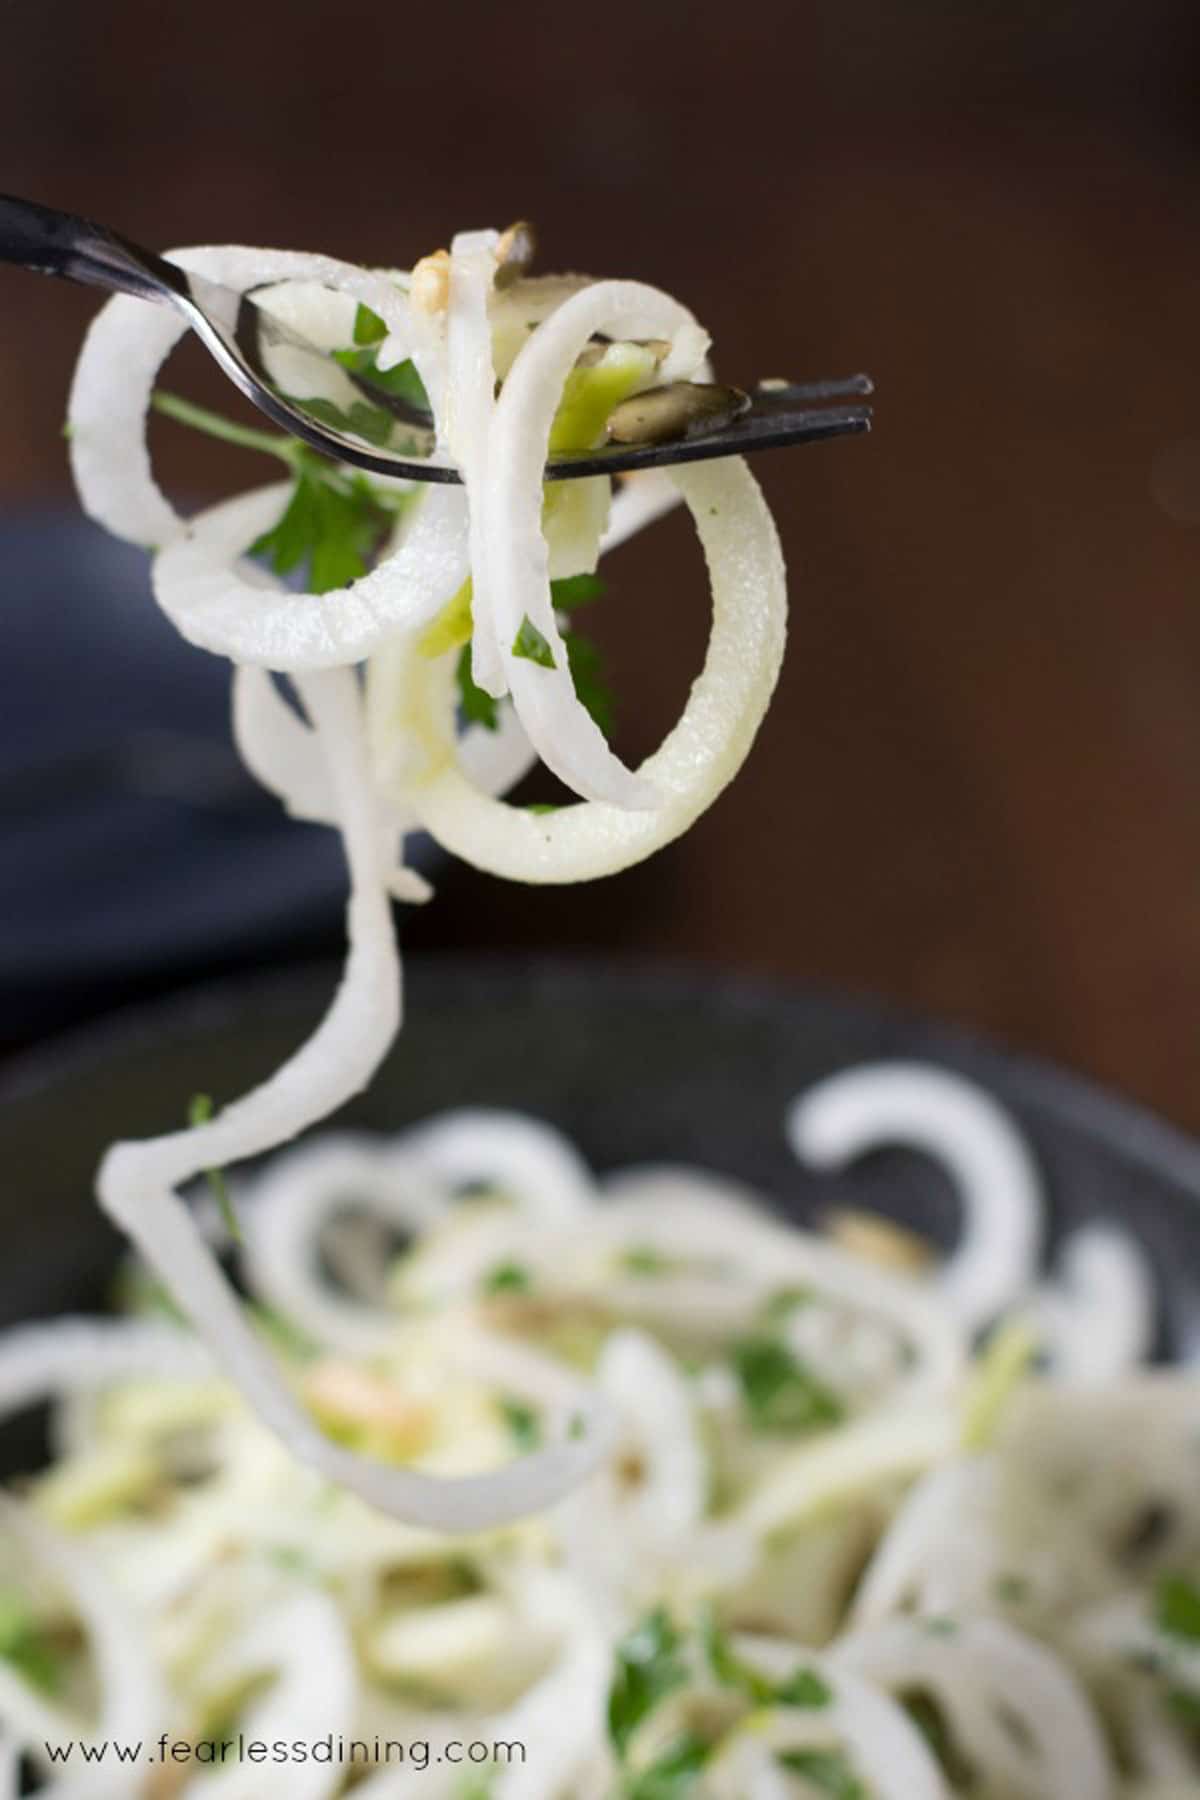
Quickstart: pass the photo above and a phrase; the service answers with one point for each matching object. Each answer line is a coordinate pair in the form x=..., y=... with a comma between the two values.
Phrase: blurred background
x=979, y=790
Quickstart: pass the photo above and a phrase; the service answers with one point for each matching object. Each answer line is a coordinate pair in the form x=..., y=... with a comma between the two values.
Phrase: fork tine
x=786, y=391
x=755, y=430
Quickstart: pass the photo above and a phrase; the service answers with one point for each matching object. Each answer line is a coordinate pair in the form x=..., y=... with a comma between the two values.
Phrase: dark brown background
x=979, y=791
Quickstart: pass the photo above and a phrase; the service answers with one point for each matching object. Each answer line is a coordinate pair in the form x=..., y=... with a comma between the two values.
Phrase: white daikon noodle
x=829, y=1547
x=377, y=757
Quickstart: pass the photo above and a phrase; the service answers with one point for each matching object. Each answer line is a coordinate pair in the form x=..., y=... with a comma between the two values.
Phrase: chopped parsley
x=650, y=1665
x=644, y=1259
x=826, y=1770
x=587, y=672
x=570, y=591
x=1010, y=1590
x=200, y=1111
x=332, y=528
x=523, y=1422
x=25, y=1645
x=784, y=1302
x=477, y=707
x=507, y=1278
x=1177, y=1607
x=530, y=644
x=780, y=1393
x=335, y=521
x=401, y=381
x=672, y=1775
x=802, y=1688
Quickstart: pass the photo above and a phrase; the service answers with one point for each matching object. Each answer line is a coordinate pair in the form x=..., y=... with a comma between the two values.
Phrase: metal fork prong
x=752, y=432
x=787, y=391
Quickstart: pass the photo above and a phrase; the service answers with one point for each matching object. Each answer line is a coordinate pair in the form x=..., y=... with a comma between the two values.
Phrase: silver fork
x=237, y=332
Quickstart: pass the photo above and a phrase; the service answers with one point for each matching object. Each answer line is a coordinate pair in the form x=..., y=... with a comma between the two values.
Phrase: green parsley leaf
x=369, y=328
x=575, y=590
x=507, y=1278
x=730, y=1669
x=540, y=807
x=587, y=672
x=672, y=1775
x=200, y=1111
x=780, y=1394
x=826, y=1770
x=530, y=644
x=803, y=1687
x=784, y=1302
x=645, y=1259
x=523, y=1422
x=649, y=1666
x=401, y=380
x=24, y=1644
x=1177, y=1607
x=477, y=707
x=331, y=527
x=1010, y=1590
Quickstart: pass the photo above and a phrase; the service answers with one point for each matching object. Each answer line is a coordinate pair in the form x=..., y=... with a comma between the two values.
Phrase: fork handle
x=58, y=243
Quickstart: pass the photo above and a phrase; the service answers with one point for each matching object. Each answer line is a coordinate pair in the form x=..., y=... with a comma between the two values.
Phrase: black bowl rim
x=1126, y=1128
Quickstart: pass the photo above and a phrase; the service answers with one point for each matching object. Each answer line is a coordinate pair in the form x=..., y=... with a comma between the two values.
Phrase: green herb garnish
x=477, y=707
x=332, y=528
x=402, y=381
x=826, y=1770
x=575, y=590
x=649, y=1666
x=1177, y=1607
x=784, y=1302
x=587, y=672
x=780, y=1394
x=335, y=521
x=672, y=1775
x=803, y=1687
x=523, y=1422
x=25, y=1645
x=530, y=644
x=507, y=1278
x=200, y=1111
x=644, y=1259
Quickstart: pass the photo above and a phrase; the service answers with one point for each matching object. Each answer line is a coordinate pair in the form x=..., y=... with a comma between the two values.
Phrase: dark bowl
x=635, y=1062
